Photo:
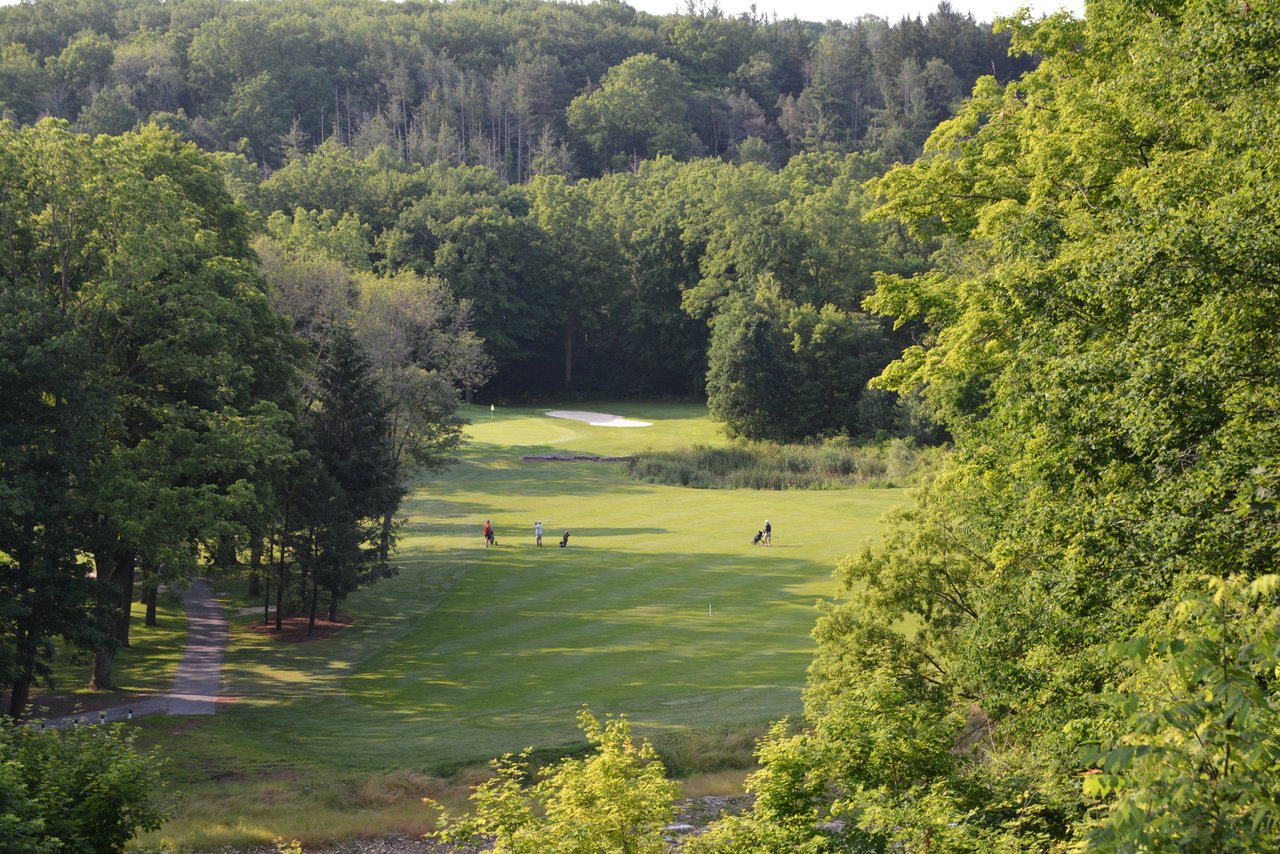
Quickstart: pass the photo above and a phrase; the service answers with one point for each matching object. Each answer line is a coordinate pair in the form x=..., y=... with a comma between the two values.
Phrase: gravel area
x=691, y=815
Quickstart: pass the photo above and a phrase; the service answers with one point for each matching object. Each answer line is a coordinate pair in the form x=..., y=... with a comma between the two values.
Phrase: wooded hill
x=599, y=186
x=519, y=87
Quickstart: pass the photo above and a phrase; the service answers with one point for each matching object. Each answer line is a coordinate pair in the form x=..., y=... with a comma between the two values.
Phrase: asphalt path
x=195, y=685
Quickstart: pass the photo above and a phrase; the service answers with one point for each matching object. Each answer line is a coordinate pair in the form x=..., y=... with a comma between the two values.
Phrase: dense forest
x=519, y=87
x=601, y=187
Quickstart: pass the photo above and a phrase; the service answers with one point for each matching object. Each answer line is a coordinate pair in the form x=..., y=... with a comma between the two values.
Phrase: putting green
x=660, y=608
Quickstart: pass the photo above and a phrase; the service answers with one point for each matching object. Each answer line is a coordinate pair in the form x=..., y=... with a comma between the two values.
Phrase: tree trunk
x=255, y=567
x=311, y=620
x=280, y=595
x=384, y=541
x=125, y=581
x=225, y=556
x=20, y=695
x=150, y=596
x=100, y=680
x=118, y=571
x=568, y=355
x=333, y=609
x=266, y=604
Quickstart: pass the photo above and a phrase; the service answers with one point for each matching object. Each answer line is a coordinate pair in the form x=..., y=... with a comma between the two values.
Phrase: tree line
x=164, y=413
x=519, y=87
x=672, y=280
x=632, y=205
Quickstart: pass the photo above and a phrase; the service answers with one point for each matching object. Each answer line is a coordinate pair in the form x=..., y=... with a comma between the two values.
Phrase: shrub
x=83, y=790
x=1197, y=766
x=834, y=464
x=616, y=799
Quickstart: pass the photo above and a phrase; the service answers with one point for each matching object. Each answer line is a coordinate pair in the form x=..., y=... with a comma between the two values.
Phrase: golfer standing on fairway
x=768, y=533
x=537, y=531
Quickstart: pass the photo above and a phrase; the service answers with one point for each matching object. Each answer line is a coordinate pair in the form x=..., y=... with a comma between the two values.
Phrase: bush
x=1197, y=766
x=833, y=464
x=83, y=790
x=616, y=799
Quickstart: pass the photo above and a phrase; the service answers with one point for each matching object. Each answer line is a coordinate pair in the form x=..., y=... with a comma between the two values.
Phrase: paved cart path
x=195, y=685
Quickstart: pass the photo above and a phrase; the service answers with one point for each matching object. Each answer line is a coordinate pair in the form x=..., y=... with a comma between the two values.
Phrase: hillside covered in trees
x=519, y=87
x=602, y=188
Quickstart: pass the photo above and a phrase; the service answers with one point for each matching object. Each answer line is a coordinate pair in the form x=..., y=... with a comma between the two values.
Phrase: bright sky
x=850, y=10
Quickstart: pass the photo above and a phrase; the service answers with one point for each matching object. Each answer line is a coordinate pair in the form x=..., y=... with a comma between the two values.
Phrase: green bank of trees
x=597, y=183
x=387, y=359
x=509, y=149
x=613, y=285
x=516, y=87
x=1015, y=670
x=162, y=412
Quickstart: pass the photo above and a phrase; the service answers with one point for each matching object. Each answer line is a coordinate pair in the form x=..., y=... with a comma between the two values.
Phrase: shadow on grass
x=529, y=622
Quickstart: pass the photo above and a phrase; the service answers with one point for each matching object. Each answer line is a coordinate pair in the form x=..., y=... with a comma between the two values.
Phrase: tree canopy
x=1099, y=330
x=494, y=84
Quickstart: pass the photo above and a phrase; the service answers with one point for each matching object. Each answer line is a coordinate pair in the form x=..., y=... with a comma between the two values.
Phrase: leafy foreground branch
x=1193, y=769
x=617, y=799
x=82, y=790
x=1197, y=767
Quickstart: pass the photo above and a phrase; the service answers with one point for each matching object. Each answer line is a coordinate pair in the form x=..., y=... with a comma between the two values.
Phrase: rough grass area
x=834, y=464
x=717, y=751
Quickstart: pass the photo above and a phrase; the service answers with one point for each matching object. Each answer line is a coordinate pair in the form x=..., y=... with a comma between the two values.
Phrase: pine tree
x=355, y=485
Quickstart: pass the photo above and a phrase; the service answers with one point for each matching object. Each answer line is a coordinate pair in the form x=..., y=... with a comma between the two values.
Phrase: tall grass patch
x=708, y=751
x=831, y=464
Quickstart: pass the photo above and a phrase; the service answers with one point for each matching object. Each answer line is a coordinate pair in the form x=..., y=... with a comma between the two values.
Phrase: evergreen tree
x=349, y=430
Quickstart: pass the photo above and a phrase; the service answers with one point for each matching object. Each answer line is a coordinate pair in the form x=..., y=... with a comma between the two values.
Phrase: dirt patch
x=294, y=629
x=187, y=728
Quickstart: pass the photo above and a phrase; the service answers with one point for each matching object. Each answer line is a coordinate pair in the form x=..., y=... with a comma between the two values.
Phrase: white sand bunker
x=599, y=419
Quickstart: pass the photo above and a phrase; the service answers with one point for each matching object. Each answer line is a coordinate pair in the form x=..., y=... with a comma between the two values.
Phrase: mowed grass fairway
x=659, y=609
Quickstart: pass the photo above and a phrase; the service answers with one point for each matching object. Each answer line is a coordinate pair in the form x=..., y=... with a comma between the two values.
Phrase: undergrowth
x=832, y=464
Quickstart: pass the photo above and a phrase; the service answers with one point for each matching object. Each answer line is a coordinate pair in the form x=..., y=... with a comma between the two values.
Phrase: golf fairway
x=660, y=608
